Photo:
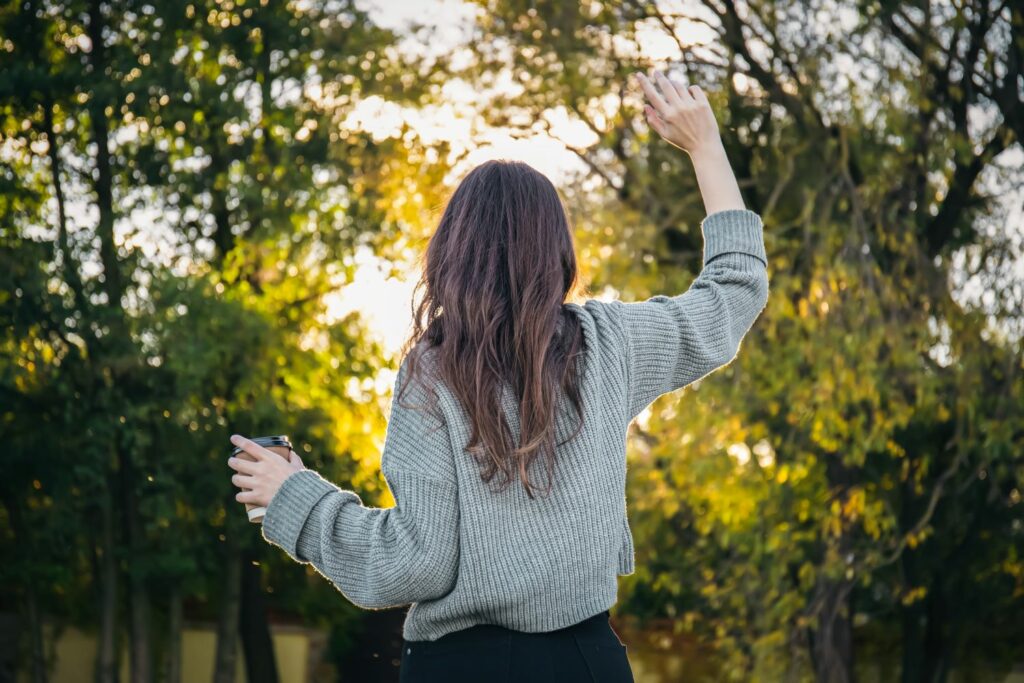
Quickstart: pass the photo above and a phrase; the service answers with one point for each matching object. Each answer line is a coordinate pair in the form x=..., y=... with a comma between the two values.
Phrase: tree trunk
x=37, y=652
x=257, y=644
x=227, y=626
x=104, y=179
x=105, y=568
x=223, y=238
x=936, y=641
x=141, y=671
x=832, y=642
x=69, y=266
x=37, y=646
x=107, y=664
x=140, y=651
x=927, y=624
x=913, y=656
x=266, y=80
x=172, y=661
x=35, y=628
x=927, y=646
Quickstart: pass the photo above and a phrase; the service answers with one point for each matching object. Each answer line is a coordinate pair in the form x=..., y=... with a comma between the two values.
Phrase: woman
x=508, y=465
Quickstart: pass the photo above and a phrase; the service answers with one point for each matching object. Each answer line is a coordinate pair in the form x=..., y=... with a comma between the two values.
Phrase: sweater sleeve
x=672, y=341
x=379, y=557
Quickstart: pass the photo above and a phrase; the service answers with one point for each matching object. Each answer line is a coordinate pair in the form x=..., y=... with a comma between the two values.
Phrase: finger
x=652, y=94
x=683, y=90
x=655, y=121
x=252, y=448
x=671, y=94
x=696, y=93
x=242, y=465
x=246, y=497
x=243, y=481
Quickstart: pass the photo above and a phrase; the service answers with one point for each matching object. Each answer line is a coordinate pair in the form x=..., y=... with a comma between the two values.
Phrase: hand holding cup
x=260, y=474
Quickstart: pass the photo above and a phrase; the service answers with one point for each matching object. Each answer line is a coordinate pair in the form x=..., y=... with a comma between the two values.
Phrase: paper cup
x=278, y=444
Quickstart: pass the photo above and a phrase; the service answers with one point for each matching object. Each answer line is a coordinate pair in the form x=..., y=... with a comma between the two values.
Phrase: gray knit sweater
x=458, y=553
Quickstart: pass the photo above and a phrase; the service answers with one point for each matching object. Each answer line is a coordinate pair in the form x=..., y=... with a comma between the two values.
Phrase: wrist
x=712, y=151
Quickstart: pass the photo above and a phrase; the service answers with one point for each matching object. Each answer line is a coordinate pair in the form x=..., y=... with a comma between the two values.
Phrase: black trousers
x=587, y=652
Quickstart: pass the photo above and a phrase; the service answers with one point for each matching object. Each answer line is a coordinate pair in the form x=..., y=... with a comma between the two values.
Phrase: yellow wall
x=76, y=654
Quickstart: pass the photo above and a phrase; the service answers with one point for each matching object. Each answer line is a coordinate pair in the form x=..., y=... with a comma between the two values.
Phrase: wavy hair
x=495, y=277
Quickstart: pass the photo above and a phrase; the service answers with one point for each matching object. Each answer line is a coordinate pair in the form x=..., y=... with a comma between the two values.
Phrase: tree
x=224, y=199
x=871, y=404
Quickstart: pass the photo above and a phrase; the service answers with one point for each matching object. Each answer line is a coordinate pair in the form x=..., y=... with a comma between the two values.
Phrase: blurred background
x=210, y=215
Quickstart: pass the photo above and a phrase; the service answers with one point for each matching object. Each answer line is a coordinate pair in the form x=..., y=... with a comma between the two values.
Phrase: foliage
x=181, y=195
x=852, y=466
x=182, y=189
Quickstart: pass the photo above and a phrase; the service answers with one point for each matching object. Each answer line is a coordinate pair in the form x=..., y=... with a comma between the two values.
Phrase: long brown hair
x=496, y=275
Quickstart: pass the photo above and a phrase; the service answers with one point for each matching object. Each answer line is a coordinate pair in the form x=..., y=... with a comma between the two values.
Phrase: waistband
x=486, y=630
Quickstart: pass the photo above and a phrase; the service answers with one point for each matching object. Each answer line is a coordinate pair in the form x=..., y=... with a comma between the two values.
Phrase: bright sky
x=385, y=302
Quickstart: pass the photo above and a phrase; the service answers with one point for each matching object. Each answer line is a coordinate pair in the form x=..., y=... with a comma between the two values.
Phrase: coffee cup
x=278, y=444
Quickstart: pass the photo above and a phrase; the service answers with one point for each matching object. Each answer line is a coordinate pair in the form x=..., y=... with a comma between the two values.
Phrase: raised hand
x=680, y=114
x=684, y=118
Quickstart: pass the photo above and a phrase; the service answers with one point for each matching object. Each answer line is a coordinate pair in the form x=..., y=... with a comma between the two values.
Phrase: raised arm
x=380, y=557
x=672, y=341
x=682, y=116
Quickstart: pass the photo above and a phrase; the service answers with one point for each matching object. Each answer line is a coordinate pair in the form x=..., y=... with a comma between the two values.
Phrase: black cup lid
x=267, y=442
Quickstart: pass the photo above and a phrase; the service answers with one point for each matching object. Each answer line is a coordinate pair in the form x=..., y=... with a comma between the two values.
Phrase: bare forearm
x=715, y=177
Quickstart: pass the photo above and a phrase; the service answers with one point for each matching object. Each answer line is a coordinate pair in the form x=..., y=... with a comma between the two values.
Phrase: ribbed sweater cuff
x=733, y=230
x=291, y=505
